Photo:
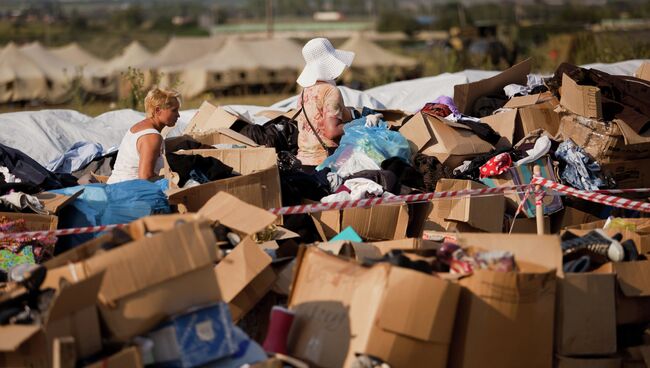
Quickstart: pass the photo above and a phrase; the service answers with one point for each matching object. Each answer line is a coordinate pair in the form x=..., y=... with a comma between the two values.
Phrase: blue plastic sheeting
x=107, y=204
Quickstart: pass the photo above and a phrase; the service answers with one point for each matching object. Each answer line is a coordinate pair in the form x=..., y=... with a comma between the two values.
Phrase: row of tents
x=193, y=65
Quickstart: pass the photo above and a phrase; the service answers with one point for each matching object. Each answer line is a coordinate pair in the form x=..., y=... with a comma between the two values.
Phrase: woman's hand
x=149, y=150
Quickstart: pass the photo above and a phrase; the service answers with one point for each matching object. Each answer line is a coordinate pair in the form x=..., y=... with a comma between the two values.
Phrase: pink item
x=278, y=332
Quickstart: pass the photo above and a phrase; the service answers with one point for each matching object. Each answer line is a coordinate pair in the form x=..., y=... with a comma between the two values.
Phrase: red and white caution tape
x=596, y=197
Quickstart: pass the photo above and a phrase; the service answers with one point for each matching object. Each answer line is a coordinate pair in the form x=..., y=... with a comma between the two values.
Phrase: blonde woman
x=141, y=150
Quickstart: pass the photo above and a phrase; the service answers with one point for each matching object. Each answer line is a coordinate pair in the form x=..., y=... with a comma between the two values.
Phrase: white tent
x=370, y=55
x=20, y=78
x=59, y=73
x=74, y=54
x=180, y=50
x=133, y=55
x=96, y=78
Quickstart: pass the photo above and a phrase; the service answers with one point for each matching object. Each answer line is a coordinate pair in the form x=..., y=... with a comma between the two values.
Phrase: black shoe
x=631, y=253
x=600, y=247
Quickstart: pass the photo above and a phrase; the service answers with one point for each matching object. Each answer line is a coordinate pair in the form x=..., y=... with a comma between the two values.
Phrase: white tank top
x=128, y=157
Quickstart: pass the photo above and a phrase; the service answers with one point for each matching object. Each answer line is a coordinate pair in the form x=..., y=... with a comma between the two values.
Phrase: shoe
x=631, y=253
x=597, y=244
x=582, y=264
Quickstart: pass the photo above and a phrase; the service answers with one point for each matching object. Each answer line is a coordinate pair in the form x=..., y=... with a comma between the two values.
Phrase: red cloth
x=496, y=165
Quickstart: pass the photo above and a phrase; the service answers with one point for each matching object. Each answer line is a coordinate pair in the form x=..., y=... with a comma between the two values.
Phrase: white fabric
x=323, y=62
x=358, y=161
x=336, y=197
x=542, y=146
x=8, y=176
x=128, y=157
x=21, y=201
x=361, y=187
x=373, y=120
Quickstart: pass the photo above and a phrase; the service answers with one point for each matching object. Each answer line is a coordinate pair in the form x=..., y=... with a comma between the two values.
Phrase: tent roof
x=234, y=55
x=180, y=50
x=277, y=53
x=73, y=53
x=14, y=64
x=54, y=67
x=369, y=54
x=132, y=56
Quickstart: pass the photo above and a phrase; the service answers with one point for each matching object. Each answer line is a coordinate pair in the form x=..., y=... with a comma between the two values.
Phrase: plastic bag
x=368, y=147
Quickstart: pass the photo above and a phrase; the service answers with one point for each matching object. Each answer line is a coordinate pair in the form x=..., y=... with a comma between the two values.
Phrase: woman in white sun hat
x=320, y=123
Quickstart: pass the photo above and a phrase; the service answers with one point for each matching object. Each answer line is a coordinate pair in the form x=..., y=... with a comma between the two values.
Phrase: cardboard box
x=644, y=71
x=605, y=141
x=511, y=313
x=450, y=143
x=466, y=94
x=483, y=213
x=599, y=362
x=33, y=222
x=570, y=216
x=632, y=291
x=152, y=277
x=224, y=136
x=522, y=175
x=259, y=184
x=53, y=202
x=401, y=316
x=582, y=100
x=72, y=313
x=126, y=358
x=629, y=174
x=376, y=223
x=529, y=113
x=210, y=118
x=586, y=314
x=195, y=338
x=525, y=225
x=641, y=236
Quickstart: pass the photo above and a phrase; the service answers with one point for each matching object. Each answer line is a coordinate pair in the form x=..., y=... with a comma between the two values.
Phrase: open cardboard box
x=211, y=118
x=72, y=313
x=384, y=222
x=33, y=222
x=632, y=290
x=224, y=136
x=450, y=143
x=581, y=100
x=629, y=174
x=259, y=184
x=588, y=362
x=528, y=113
x=151, y=277
x=511, y=313
x=126, y=358
x=641, y=236
x=401, y=316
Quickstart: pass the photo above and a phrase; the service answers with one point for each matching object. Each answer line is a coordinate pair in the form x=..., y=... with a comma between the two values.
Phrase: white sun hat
x=323, y=62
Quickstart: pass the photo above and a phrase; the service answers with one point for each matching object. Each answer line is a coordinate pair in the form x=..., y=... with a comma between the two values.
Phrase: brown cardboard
x=236, y=214
x=605, y=141
x=525, y=225
x=358, y=251
x=210, y=118
x=434, y=136
x=466, y=94
x=376, y=223
x=517, y=307
x=401, y=316
x=629, y=174
x=582, y=100
x=53, y=202
x=126, y=358
x=224, y=136
x=152, y=277
x=598, y=362
x=484, y=213
x=259, y=184
x=72, y=313
x=33, y=222
x=244, y=277
x=633, y=290
x=569, y=217
x=644, y=71
x=586, y=314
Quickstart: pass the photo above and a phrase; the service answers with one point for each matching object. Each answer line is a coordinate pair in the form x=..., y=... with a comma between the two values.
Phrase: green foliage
x=134, y=78
x=398, y=22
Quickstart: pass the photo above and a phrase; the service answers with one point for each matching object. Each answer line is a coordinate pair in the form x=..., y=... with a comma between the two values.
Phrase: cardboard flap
x=54, y=202
x=522, y=101
x=466, y=94
x=455, y=141
x=633, y=277
x=236, y=214
x=581, y=100
x=240, y=267
x=629, y=135
x=12, y=336
x=152, y=260
x=417, y=131
x=238, y=137
x=214, y=137
x=414, y=303
x=504, y=124
x=75, y=296
x=644, y=71
x=210, y=118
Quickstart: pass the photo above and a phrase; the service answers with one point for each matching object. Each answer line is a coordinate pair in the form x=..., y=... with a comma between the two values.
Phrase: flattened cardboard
x=126, y=358
x=629, y=174
x=644, y=71
x=210, y=118
x=521, y=101
x=343, y=308
x=431, y=136
x=236, y=214
x=586, y=314
x=466, y=94
x=224, y=136
x=586, y=362
x=582, y=100
x=54, y=202
x=244, y=277
x=484, y=213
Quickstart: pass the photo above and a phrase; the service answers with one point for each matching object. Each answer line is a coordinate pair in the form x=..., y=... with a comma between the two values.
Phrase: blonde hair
x=162, y=98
